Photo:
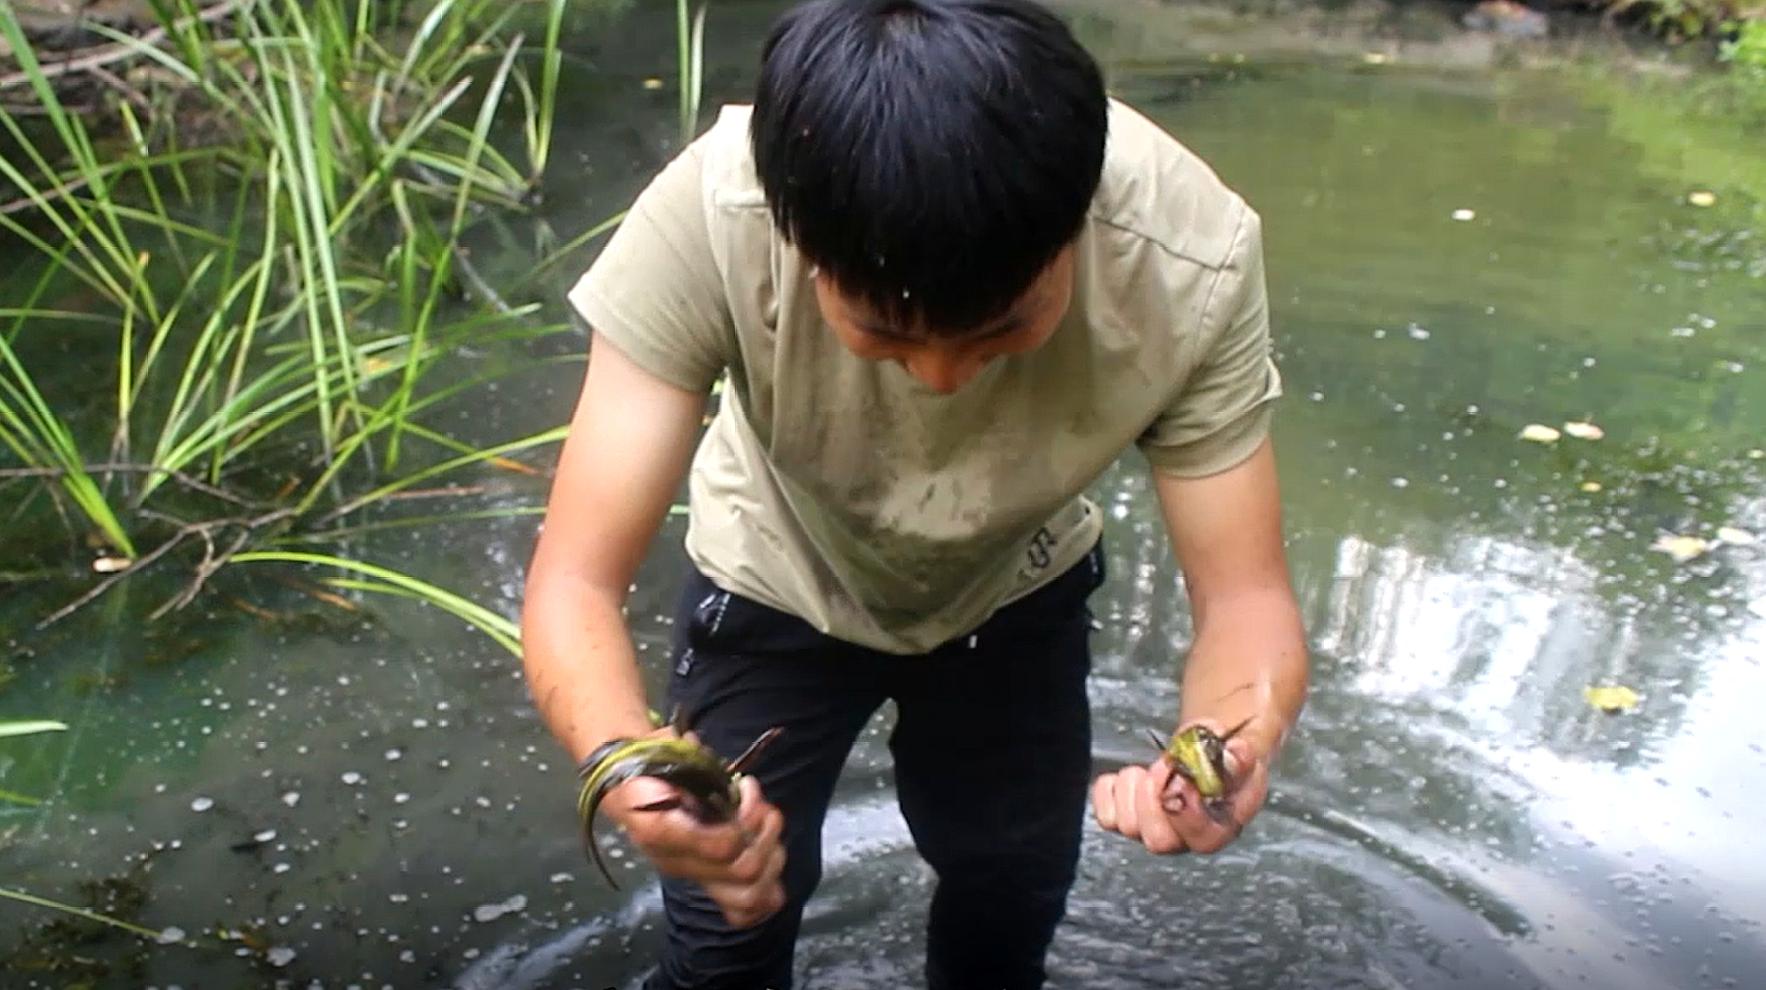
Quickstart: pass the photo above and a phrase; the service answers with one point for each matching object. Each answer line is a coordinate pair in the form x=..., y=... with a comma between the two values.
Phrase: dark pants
x=992, y=749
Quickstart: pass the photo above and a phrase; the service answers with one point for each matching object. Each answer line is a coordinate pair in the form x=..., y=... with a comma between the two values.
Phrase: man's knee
x=703, y=952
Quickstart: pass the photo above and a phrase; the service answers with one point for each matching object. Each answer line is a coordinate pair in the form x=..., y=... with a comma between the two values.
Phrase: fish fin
x=679, y=721
x=600, y=864
x=1154, y=738
x=1221, y=814
x=588, y=806
x=742, y=762
x=663, y=804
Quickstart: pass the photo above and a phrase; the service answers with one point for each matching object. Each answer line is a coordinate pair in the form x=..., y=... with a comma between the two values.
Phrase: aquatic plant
x=271, y=248
x=1746, y=52
x=690, y=60
x=79, y=912
x=1681, y=19
x=383, y=580
x=30, y=727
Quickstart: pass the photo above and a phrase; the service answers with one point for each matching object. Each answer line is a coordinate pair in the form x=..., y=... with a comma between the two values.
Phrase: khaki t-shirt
x=843, y=491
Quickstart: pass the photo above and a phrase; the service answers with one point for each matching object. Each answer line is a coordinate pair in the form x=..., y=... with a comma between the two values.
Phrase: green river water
x=1451, y=813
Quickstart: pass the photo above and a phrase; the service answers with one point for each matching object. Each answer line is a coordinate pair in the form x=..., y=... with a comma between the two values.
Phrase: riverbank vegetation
x=249, y=292
x=244, y=294
x=1681, y=19
x=1737, y=28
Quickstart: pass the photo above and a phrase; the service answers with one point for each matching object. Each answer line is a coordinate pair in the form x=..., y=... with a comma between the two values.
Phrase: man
x=949, y=282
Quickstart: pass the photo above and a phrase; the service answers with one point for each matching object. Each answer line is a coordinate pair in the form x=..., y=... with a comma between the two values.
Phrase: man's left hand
x=1161, y=810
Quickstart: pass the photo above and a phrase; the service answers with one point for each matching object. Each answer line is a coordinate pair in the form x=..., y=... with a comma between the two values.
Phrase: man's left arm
x=1248, y=664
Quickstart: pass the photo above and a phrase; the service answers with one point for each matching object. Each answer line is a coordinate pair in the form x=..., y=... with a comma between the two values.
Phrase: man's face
x=945, y=362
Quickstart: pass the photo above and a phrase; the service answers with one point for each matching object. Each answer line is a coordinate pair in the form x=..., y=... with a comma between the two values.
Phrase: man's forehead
x=911, y=325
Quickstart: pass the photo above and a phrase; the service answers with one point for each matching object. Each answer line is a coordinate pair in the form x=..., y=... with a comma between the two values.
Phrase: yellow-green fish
x=1198, y=755
x=708, y=785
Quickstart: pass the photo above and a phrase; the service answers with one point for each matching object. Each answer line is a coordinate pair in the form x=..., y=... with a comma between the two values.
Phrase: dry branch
x=119, y=51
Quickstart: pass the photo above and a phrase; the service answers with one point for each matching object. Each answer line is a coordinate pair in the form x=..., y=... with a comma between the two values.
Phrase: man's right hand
x=738, y=862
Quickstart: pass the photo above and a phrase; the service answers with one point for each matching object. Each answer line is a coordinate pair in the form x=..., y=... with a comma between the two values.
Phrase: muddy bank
x=1425, y=34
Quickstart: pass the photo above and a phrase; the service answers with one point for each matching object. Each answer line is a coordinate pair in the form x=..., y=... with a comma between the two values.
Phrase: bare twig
x=108, y=583
x=119, y=51
x=212, y=562
x=412, y=495
x=421, y=493
x=117, y=83
x=27, y=203
x=178, y=476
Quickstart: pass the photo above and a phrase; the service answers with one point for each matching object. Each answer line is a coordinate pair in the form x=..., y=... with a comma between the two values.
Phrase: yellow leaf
x=1702, y=197
x=1681, y=548
x=1736, y=537
x=1584, y=431
x=652, y=83
x=1611, y=698
x=1539, y=433
x=1591, y=486
x=515, y=466
x=1375, y=58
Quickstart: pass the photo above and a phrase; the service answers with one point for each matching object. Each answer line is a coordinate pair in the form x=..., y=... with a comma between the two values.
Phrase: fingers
x=739, y=863
x=749, y=889
x=1252, y=787
x=1162, y=811
x=755, y=891
x=1130, y=803
x=1208, y=828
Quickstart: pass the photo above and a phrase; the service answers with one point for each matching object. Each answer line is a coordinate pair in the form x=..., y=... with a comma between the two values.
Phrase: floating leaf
x=1584, y=431
x=1612, y=699
x=1681, y=548
x=1702, y=197
x=1736, y=537
x=1540, y=433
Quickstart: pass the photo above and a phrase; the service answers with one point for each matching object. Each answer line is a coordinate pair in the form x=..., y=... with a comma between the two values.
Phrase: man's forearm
x=580, y=665
x=1249, y=661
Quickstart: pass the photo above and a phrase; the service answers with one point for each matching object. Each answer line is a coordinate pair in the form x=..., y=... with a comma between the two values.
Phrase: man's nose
x=941, y=371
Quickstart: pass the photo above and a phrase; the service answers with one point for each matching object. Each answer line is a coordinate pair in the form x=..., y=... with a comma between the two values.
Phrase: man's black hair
x=932, y=156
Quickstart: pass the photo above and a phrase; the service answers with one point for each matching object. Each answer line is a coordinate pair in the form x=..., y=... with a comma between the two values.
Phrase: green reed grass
x=690, y=63
x=387, y=581
x=274, y=249
x=359, y=152
x=26, y=728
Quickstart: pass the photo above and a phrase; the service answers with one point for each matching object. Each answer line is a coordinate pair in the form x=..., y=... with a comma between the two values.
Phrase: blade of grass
x=551, y=60
x=26, y=403
x=505, y=632
x=350, y=532
x=553, y=435
x=30, y=728
x=44, y=902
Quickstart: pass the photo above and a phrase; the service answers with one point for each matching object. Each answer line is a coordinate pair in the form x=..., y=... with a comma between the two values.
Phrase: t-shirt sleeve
x=655, y=292
x=1222, y=411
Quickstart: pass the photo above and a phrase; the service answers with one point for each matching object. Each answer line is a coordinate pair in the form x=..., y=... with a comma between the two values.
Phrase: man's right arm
x=629, y=445
x=630, y=441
